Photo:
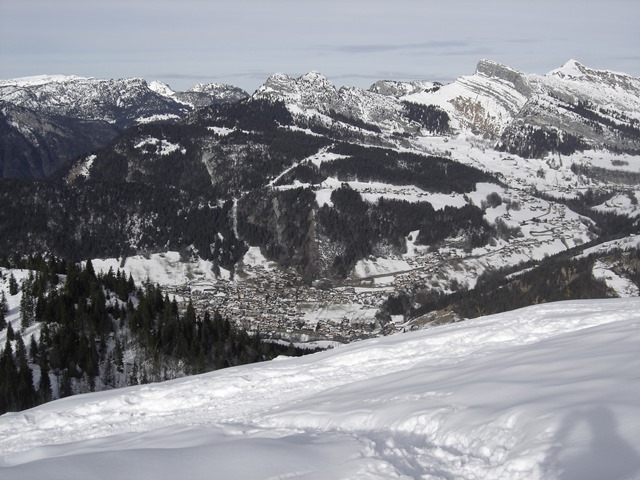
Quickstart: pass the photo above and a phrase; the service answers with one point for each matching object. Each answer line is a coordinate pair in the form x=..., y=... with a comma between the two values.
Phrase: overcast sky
x=353, y=42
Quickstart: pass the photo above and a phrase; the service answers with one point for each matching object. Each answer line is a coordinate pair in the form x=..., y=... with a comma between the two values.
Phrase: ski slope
x=546, y=392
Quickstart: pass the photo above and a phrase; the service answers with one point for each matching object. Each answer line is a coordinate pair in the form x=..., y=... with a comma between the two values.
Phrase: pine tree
x=108, y=376
x=44, y=384
x=8, y=379
x=33, y=350
x=65, y=388
x=4, y=305
x=118, y=356
x=13, y=285
x=27, y=309
x=26, y=394
x=133, y=375
x=89, y=269
x=10, y=333
x=4, y=309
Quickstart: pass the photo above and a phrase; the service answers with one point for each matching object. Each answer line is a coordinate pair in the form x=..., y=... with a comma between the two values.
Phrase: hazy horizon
x=353, y=43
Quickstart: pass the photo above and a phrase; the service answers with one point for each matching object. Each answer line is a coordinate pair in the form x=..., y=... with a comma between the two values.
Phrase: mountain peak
x=492, y=69
x=314, y=77
x=310, y=88
x=608, y=80
x=161, y=88
x=400, y=89
x=571, y=69
x=495, y=70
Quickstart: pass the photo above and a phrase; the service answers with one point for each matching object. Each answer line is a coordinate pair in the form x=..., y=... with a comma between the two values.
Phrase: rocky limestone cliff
x=496, y=71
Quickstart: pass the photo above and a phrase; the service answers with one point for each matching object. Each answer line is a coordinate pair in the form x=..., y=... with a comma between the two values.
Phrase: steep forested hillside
x=560, y=277
x=108, y=219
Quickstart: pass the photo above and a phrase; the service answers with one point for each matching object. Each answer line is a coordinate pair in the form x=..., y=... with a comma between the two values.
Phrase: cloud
x=377, y=48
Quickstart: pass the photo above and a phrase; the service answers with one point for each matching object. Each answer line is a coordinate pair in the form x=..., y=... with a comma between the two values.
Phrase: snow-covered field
x=546, y=392
x=167, y=269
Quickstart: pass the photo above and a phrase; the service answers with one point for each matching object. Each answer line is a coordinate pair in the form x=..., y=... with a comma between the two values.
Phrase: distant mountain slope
x=253, y=152
x=35, y=144
x=571, y=108
x=120, y=102
x=50, y=120
x=300, y=161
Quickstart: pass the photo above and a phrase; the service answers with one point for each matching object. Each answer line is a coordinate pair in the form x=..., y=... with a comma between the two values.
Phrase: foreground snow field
x=546, y=392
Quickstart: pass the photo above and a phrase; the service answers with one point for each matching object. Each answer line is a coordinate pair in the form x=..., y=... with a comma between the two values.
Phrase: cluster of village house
x=278, y=303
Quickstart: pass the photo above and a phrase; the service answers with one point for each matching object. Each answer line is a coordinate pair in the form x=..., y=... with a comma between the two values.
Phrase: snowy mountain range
x=46, y=121
x=420, y=187
x=569, y=109
x=547, y=392
x=317, y=215
x=502, y=105
x=122, y=102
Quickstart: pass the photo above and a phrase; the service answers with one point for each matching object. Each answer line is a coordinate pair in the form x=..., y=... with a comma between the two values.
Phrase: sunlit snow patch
x=167, y=268
x=163, y=147
x=622, y=286
x=164, y=117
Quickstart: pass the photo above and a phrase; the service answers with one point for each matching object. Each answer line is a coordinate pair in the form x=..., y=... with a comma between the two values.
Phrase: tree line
x=82, y=331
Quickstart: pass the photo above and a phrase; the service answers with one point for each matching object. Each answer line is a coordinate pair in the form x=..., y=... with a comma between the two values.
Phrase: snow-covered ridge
x=538, y=393
x=37, y=80
x=313, y=96
x=572, y=68
x=118, y=101
x=497, y=98
x=576, y=70
x=307, y=91
x=574, y=82
x=485, y=103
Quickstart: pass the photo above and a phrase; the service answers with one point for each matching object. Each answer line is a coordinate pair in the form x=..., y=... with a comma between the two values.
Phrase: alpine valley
x=200, y=226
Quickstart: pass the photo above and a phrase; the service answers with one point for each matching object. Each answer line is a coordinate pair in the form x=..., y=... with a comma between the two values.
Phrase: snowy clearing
x=167, y=269
x=163, y=147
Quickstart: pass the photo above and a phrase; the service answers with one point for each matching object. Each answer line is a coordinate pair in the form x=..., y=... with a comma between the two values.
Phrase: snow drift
x=545, y=392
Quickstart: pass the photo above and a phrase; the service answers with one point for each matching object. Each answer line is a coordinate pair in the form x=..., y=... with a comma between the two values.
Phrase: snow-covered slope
x=575, y=82
x=548, y=392
x=599, y=107
x=484, y=102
